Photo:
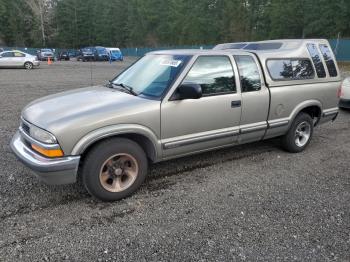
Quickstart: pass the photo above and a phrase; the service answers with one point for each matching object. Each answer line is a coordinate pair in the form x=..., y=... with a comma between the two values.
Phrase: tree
x=155, y=23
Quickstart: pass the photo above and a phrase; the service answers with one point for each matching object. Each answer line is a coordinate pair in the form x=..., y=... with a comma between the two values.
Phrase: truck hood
x=80, y=111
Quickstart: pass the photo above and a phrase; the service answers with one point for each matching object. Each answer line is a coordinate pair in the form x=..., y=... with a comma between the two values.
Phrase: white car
x=16, y=58
x=344, y=94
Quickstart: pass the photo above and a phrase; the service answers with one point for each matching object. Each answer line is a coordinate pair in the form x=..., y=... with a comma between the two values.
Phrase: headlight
x=42, y=135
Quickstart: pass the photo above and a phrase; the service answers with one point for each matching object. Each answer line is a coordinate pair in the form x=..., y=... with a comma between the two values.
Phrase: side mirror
x=188, y=91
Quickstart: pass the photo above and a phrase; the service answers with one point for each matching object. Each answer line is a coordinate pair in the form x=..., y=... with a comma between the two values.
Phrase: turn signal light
x=48, y=152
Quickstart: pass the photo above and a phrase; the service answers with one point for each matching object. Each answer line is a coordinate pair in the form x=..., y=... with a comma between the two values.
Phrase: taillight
x=340, y=91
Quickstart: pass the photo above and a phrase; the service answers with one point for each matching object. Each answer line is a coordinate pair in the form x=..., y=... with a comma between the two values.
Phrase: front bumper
x=45, y=58
x=52, y=171
x=344, y=103
x=36, y=63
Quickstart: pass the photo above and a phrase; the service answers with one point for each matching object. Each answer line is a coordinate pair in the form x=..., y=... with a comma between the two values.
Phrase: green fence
x=340, y=47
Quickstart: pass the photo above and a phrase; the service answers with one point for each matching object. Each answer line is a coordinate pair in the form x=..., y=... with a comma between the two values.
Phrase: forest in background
x=154, y=23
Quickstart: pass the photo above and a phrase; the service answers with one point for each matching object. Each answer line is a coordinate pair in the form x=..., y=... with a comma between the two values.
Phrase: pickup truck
x=175, y=103
x=45, y=54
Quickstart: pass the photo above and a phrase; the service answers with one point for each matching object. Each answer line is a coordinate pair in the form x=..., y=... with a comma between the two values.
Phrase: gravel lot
x=252, y=202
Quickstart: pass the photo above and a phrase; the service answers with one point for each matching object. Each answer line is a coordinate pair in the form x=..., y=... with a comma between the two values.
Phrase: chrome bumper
x=52, y=171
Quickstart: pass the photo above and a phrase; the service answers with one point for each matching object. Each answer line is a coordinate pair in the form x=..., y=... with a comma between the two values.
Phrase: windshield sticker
x=173, y=63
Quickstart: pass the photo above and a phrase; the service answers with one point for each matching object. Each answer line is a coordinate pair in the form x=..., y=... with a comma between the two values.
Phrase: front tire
x=114, y=169
x=28, y=65
x=299, y=135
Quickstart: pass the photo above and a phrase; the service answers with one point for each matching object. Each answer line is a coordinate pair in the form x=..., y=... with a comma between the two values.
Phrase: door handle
x=237, y=103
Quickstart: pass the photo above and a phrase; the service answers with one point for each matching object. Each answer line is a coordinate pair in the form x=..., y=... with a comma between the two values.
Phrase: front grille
x=25, y=127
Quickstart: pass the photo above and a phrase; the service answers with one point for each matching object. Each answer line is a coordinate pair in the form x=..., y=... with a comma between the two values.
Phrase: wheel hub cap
x=302, y=134
x=118, y=172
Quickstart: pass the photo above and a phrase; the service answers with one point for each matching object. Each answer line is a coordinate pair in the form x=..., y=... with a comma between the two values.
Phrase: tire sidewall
x=99, y=154
x=289, y=139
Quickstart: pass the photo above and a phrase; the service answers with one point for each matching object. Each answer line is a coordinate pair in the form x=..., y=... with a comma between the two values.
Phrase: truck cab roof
x=281, y=58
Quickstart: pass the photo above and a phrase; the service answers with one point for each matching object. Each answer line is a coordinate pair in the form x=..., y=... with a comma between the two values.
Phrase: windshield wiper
x=129, y=89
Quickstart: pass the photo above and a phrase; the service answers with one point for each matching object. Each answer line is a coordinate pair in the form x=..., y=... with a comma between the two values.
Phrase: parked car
x=86, y=54
x=344, y=94
x=101, y=53
x=115, y=54
x=18, y=59
x=45, y=54
x=63, y=55
x=1, y=50
x=73, y=53
x=174, y=103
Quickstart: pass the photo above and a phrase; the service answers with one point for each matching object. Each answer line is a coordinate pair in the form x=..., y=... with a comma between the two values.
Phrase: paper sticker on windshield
x=173, y=63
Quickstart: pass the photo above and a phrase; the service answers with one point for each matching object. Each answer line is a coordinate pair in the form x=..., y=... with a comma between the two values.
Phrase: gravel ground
x=252, y=202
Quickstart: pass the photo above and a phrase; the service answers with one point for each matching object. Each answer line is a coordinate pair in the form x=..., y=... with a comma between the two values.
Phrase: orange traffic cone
x=49, y=62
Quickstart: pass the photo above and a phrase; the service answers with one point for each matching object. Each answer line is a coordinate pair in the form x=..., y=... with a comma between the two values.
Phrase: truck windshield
x=152, y=74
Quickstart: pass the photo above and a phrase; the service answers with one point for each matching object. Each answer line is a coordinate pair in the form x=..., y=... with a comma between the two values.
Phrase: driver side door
x=212, y=121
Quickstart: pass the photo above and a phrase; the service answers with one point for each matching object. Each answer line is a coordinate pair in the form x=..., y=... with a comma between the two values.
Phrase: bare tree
x=39, y=7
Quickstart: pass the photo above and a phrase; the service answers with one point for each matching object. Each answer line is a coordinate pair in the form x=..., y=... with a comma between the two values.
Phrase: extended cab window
x=214, y=74
x=249, y=73
x=316, y=58
x=327, y=55
x=290, y=69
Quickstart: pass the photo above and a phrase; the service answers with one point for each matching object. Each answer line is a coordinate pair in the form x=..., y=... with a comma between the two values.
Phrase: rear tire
x=28, y=65
x=299, y=134
x=114, y=169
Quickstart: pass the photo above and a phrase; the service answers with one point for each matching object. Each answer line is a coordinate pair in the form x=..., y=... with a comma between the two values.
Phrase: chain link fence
x=341, y=48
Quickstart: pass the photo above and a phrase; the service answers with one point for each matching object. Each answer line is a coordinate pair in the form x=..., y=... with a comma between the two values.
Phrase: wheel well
x=144, y=142
x=314, y=112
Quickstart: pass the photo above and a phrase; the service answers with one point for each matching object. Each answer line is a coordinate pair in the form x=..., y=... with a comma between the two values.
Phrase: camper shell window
x=290, y=69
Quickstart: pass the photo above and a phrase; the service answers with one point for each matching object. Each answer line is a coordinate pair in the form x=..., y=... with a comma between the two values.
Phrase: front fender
x=114, y=130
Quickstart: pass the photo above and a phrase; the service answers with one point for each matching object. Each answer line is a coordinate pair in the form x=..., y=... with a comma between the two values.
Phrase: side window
x=214, y=74
x=327, y=55
x=290, y=69
x=7, y=54
x=18, y=54
x=316, y=59
x=249, y=73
